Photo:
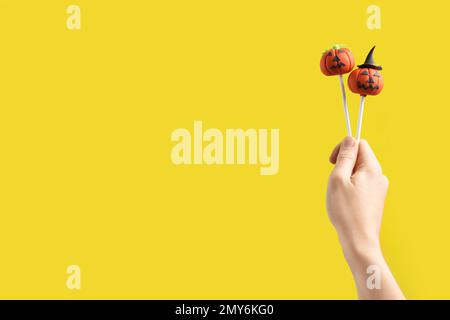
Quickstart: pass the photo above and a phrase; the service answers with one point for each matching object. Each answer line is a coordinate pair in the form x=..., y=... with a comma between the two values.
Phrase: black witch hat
x=370, y=63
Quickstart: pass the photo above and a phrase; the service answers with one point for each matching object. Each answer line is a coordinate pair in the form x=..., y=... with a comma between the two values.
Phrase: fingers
x=367, y=159
x=364, y=161
x=334, y=154
x=346, y=158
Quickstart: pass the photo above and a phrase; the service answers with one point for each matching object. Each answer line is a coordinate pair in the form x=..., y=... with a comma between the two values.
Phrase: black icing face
x=368, y=81
x=337, y=62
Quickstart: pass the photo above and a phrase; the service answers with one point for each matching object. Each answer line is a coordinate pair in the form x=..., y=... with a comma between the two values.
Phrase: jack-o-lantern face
x=337, y=61
x=366, y=81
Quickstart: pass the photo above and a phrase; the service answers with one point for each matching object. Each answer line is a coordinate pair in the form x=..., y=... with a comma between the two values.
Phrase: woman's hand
x=355, y=200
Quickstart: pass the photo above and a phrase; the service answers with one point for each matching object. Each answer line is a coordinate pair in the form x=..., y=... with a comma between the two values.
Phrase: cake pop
x=366, y=80
x=339, y=60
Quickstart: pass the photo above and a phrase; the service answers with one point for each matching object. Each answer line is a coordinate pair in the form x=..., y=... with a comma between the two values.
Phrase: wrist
x=358, y=247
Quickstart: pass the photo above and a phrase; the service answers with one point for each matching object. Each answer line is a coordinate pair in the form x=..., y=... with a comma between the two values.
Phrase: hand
x=356, y=192
x=355, y=200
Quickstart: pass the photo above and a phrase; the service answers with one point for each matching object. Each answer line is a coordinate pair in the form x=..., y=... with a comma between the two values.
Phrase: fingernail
x=348, y=142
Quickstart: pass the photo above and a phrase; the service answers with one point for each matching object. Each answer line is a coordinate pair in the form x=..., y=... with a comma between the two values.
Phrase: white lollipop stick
x=360, y=117
x=344, y=101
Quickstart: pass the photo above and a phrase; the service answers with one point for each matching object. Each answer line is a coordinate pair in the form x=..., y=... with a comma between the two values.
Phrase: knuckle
x=346, y=154
x=336, y=179
x=363, y=176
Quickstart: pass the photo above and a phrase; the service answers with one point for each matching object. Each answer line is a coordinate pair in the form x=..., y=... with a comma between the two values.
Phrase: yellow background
x=85, y=124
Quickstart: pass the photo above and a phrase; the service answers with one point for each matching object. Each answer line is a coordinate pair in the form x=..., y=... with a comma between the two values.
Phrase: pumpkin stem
x=335, y=47
x=338, y=46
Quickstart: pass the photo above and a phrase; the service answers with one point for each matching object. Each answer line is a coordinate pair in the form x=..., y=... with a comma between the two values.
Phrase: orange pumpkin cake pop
x=366, y=80
x=339, y=60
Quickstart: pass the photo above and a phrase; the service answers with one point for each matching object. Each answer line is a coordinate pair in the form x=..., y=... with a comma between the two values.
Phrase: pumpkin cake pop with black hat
x=339, y=60
x=366, y=80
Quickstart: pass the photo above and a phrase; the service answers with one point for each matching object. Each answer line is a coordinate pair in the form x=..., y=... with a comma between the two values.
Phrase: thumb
x=346, y=158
